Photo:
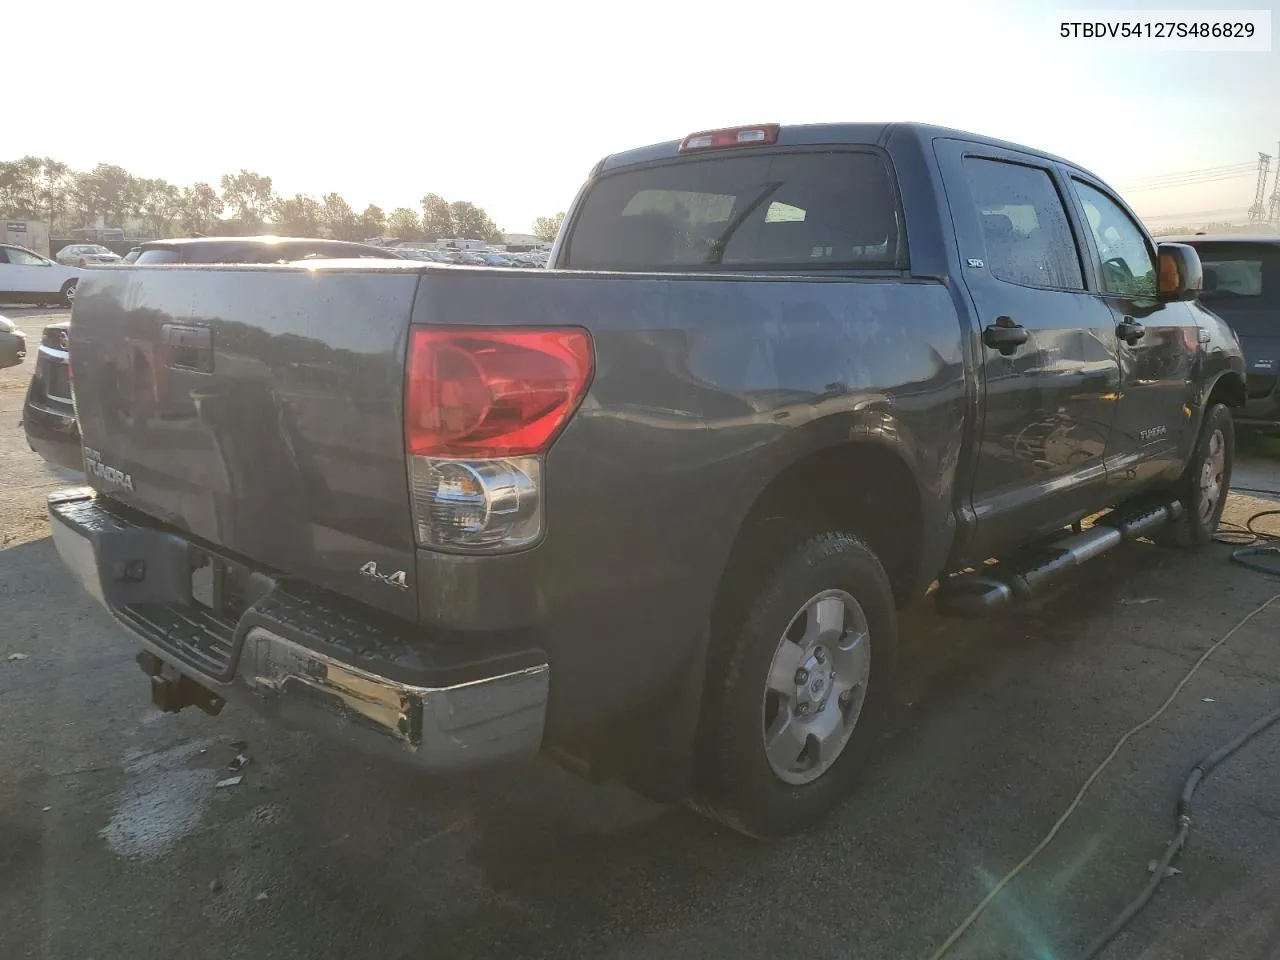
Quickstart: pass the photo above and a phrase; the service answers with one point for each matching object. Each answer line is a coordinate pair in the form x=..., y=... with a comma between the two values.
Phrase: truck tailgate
x=258, y=409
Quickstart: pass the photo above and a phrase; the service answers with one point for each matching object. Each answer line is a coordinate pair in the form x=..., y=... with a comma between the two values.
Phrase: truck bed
x=289, y=453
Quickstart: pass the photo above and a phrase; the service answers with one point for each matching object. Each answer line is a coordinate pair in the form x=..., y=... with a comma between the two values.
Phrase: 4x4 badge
x=397, y=579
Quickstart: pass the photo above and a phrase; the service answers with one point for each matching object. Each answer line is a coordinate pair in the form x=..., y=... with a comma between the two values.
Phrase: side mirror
x=1181, y=275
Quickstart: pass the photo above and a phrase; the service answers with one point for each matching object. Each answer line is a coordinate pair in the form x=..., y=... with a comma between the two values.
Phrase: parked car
x=49, y=415
x=1242, y=285
x=254, y=250
x=132, y=255
x=13, y=344
x=27, y=277
x=654, y=509
x=84, y=254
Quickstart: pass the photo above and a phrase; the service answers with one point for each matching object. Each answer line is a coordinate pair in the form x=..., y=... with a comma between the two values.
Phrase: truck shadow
x=541, y=863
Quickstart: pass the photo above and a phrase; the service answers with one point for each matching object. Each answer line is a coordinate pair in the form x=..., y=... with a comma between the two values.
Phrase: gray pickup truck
x=652, y=510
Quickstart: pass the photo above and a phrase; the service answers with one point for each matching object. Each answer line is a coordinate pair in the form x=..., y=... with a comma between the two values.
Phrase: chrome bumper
x=449, y=726
x=469, y=724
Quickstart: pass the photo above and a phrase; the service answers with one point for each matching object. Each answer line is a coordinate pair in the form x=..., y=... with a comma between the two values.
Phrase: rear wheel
x=68, y=293
x=803, y=682
x=1205, y=483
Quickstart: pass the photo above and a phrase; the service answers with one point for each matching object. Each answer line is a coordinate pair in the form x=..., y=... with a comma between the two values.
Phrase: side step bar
x=978, y=594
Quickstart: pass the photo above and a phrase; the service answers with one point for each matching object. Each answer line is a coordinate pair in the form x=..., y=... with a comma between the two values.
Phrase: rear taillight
x=482, y=405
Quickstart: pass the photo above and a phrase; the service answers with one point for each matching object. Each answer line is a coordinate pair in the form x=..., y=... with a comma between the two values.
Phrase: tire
x=1204, y=484
x=829, y=575
x=67, y=295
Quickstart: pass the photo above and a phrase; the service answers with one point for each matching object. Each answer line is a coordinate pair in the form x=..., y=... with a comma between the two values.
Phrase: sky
x=509, y=104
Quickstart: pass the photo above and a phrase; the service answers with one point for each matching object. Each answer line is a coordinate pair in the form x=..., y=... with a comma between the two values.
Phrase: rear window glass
x=158, y=255
x=219, y=252
x=1251, y=273
x=1242, y=281
x=768, y=211
x=1234, y=278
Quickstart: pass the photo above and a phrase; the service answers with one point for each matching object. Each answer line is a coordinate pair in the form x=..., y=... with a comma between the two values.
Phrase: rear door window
x=1025, y=228
x=782, y=211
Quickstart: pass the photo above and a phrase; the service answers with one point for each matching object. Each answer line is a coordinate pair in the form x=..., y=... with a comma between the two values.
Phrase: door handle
x=1005, y=335
x=1130, y=330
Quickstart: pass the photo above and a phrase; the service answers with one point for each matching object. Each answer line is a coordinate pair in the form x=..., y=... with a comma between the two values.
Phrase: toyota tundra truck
x=651, y=511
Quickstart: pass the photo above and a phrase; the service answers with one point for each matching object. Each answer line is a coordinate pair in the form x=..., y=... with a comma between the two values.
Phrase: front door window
x=1128, y=266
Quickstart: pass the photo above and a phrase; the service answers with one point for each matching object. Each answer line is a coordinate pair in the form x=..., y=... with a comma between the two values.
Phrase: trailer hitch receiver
x=171, y=691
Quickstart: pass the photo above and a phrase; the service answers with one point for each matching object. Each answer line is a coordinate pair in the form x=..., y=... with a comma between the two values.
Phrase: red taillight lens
x=492, y=392
x=730, y=137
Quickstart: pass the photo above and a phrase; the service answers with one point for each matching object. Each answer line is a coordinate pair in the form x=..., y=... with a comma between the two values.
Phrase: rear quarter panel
x=705, y=388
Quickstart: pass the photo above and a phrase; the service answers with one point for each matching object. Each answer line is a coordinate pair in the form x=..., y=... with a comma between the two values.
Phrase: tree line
x=42, y=188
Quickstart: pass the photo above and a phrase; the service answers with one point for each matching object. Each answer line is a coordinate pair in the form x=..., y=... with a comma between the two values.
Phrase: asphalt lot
x=114, y=842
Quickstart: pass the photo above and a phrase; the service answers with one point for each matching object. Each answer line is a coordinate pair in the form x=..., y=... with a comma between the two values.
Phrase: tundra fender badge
x=397, y=579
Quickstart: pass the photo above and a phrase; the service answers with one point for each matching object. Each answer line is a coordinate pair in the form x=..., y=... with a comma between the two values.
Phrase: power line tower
x=1258, y=212
x=1273, y=212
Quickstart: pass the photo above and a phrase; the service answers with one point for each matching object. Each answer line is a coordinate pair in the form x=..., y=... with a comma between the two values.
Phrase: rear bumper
x=1259, y=413
x=49, y=421
x=13, y=349
x=53, y=434
x=302, y=658
x=1262, y=406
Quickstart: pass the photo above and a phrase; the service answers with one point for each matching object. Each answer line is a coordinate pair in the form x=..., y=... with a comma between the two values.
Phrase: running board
x=1018, y=578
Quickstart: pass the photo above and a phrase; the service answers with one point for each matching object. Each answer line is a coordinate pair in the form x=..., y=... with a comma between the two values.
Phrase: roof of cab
x=816, y=134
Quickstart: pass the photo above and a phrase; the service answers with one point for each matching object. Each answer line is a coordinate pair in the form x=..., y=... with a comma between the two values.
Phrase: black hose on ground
x=1254, y=543
x=1251, y=539
x=1197, y=775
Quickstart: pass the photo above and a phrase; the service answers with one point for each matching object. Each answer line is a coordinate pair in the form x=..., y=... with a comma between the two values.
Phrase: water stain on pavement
x=162, y=802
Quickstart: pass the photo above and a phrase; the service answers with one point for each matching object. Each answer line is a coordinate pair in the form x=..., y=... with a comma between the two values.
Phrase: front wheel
x=803, y=683
x=1205, y=483
x=68, y=293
